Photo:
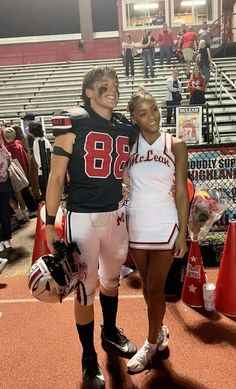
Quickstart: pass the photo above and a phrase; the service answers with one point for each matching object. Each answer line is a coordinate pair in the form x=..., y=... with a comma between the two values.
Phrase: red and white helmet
x=54, y=277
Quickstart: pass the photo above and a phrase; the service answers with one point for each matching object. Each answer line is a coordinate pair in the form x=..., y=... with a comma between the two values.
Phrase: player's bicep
x=62, y=151
x=65, y=142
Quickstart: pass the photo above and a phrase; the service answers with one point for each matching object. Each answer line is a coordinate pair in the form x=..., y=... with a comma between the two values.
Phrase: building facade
x=101, y=24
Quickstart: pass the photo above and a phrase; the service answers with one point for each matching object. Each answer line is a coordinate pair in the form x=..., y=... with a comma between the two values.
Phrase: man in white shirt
x=41, y=152
x=173, y=95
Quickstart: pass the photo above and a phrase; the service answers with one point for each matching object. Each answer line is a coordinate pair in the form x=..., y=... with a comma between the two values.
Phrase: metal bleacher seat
x=45, y=88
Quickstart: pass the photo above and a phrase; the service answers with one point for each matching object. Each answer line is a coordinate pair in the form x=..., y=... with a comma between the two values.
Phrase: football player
x=93, y=147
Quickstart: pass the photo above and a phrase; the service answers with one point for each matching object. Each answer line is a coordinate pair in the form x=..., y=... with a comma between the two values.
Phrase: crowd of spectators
x=188, y=47
x=28, y=148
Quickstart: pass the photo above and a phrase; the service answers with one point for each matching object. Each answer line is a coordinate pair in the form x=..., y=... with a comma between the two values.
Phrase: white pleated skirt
x=152, y=222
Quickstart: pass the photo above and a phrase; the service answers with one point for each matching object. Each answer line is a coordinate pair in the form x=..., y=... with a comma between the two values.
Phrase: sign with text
x=189, y=124
x=214, y=168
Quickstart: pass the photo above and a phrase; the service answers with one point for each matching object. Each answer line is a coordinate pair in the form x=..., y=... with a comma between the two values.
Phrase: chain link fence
x=213, y=167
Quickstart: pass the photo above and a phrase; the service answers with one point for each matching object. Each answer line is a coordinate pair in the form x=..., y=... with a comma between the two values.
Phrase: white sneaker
x=3, y=262
x=7, y=244
x=163, y=338
x=141, y=359
x=2, y=247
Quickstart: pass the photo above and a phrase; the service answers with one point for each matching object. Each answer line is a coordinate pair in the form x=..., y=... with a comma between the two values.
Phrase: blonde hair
x=9, y=134
x=202, y=44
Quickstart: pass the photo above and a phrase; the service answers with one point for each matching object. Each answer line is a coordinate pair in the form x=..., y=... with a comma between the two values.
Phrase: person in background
x=159, y=19
x=153, y=42
x=128, y=52
x=182, y=30
x=41, y=152
x=187, y=43
x=5, y=194
x=173, y=95
x=27, y=118
x=204, y=60
x=157, y=162
x=147, y=55
x=178, y=43
x=196, y=87
x=21, y=137
x=166, y=42
x=205, y=34
x=15, y=148
x=17, y=151
x=94, y=150
x=27, y=193
x=33, y=170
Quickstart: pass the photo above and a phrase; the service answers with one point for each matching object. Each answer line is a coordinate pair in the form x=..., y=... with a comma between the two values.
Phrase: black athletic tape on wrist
x=50, y=220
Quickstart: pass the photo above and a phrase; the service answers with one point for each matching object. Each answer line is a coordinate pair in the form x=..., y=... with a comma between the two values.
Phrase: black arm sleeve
x=57, y=150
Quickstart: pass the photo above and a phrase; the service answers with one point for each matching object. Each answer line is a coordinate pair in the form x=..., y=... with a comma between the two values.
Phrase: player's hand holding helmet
x=54, y=277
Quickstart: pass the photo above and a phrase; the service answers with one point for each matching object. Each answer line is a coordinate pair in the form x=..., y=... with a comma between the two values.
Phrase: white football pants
x=103, y=241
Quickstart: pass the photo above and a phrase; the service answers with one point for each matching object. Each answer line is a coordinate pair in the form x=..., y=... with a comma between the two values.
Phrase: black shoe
x=92, y=374
x=118, y=340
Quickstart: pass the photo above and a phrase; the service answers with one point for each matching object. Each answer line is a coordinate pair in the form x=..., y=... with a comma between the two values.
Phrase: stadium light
x=188, y=3
x=146, y=6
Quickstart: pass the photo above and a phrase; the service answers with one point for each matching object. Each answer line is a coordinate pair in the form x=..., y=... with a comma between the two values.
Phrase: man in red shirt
x=187, y=43
x=166, y=42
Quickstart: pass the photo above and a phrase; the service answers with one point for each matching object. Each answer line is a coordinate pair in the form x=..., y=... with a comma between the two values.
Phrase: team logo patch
x=121, y=219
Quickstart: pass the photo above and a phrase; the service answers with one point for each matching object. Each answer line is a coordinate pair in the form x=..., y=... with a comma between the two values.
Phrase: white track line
x=31, y=300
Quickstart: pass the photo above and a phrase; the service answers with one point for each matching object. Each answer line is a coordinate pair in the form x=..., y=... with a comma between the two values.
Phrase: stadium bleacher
x=45, y=88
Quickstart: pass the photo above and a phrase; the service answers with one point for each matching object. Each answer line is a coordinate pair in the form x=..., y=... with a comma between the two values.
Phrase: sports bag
x=17, y=176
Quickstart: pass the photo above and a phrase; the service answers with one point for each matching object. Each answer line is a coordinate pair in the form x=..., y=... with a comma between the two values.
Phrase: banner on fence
x=189, y=124
x=214, y=167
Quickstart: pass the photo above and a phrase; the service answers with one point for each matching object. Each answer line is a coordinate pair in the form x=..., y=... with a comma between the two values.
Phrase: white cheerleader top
x=152, y=167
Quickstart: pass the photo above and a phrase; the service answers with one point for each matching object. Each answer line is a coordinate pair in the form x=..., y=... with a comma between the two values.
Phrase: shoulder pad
x=68, y=119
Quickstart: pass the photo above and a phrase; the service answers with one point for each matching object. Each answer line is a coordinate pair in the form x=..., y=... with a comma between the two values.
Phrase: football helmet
x=54, y=277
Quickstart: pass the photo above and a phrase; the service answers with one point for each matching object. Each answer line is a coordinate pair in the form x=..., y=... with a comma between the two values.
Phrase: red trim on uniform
x=165, y=149
x=78, y=294
x=159, y=249
x=172, y=233
x=137, y=144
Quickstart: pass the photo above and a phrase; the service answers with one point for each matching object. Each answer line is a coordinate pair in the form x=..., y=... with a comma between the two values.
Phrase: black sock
x=85, y=332
x=109, y=309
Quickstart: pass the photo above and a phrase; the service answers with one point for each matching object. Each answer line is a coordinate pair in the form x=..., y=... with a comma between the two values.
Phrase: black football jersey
x=100, y=153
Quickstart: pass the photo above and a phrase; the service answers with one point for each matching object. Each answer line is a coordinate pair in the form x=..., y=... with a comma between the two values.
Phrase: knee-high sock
x=109, y=309
x=86, y=332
